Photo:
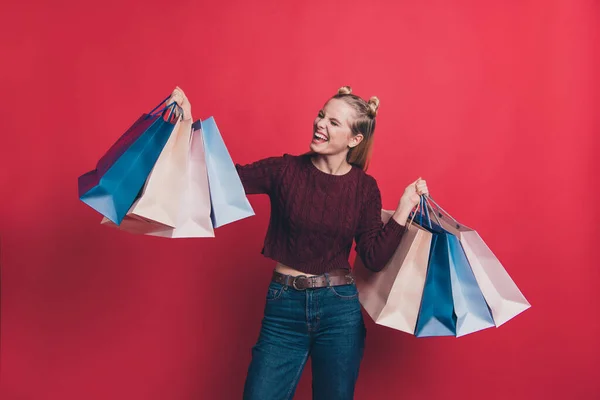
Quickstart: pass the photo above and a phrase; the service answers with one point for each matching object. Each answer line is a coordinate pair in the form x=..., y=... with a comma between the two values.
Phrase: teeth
x=319, y=136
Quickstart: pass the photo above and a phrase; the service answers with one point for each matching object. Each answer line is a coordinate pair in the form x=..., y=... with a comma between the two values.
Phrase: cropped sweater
x=315, y=216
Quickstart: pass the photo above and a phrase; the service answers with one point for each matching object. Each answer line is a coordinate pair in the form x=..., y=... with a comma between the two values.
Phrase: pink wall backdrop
x=495, y=103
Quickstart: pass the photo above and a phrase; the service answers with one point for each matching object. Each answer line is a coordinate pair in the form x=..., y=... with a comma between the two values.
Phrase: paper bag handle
x=442, y=211
x=421, y=210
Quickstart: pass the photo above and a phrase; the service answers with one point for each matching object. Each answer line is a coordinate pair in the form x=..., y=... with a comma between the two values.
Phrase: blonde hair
x=364, y=123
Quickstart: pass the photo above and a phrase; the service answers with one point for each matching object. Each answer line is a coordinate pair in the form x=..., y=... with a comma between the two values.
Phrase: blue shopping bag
x=227, y=196
x=472, y=311
x=119, y=176
x=436, y=314
x=448, y=260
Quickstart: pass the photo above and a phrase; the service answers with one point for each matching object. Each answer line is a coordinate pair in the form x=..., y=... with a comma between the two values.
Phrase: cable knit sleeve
x=261, y=176
x=376, y=242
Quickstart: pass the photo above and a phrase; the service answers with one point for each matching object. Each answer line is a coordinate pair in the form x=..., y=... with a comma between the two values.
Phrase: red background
x=494, y=103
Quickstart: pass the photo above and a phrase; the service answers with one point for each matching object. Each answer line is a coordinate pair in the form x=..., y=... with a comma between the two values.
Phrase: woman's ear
x=355, y=140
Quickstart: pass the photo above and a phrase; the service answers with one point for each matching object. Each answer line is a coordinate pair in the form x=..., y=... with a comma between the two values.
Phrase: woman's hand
x=410, y=199
x=179, y=97
x=412, y=194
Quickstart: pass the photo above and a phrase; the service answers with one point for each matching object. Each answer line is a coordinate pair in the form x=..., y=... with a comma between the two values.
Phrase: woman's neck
x=332, y=164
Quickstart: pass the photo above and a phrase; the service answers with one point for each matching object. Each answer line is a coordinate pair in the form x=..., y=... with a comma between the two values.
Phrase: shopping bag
x=470, y=308
x=136, y=225
x=392, y=296
x=436, y=314
x=472, y=312
x=160, y=197
x=91, y=179
x=193, y=219
x=502, y=295
x=112, y=188
x=228, y=198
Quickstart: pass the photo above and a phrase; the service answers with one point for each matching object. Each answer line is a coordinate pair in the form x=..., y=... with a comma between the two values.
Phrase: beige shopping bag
x=194, y=219
x=392, y=297
x=160, y=198
x=137, y=225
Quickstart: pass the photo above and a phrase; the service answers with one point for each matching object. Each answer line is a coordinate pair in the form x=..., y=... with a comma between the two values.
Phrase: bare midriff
x=284, y=269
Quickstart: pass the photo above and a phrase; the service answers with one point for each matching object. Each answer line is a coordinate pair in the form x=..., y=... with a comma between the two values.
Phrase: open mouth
x=319, y=138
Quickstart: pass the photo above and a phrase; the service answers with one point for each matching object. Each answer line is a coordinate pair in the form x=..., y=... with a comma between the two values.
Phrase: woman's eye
x=334, y=124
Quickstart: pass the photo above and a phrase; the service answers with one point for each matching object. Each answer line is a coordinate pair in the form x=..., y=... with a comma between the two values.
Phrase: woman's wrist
x=402, y=212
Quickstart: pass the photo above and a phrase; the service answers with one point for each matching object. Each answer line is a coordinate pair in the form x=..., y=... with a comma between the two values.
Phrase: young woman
x=320, y=202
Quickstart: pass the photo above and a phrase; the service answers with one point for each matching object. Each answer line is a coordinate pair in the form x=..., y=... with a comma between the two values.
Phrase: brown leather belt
x=336, y=277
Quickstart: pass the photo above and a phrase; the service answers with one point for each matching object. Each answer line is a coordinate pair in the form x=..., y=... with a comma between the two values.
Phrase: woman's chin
x=317, y=147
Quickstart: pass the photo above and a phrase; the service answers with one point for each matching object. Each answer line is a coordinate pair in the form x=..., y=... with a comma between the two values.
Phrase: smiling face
x=332, y=133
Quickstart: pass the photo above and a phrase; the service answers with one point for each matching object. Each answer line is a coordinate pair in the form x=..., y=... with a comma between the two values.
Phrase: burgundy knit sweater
x=315, y=216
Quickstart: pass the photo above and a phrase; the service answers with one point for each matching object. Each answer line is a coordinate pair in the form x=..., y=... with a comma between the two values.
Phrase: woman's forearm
x=402, y=212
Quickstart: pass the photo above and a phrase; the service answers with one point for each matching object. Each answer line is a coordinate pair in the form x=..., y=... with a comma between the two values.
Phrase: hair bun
x=373, y=105
x=345, y=90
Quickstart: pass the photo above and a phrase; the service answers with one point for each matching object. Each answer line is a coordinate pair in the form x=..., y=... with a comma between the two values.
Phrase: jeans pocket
x=347, y=292
x=274, y=291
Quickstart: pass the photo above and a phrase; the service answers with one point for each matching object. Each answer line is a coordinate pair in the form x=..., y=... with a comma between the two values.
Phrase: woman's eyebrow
x=332, y=118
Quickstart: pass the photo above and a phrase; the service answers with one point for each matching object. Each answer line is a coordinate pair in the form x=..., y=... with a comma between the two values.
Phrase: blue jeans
x=323, y=323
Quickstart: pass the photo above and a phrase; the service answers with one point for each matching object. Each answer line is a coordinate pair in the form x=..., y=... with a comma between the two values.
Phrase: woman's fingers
x=421, y=187
x=417, y=181
x=178, y=96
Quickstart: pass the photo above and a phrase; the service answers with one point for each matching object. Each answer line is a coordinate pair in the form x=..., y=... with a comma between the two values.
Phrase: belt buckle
x=351, y=279
x=296, y=278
